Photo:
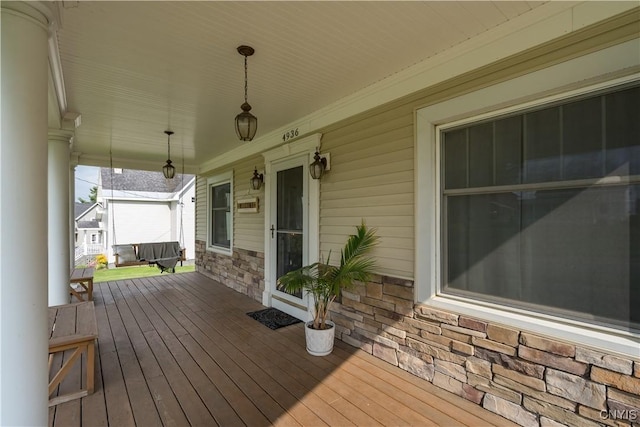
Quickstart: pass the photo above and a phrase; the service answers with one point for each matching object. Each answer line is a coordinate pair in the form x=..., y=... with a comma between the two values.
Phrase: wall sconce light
x=318, y=166
x=246, y=123
x=168, y=170
x=257, y=180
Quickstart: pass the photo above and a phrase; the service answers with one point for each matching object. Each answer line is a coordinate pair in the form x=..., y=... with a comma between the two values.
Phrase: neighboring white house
x=89, y=231
x=144, y=207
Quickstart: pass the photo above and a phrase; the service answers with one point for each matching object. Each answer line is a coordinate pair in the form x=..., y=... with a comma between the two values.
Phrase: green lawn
x=122, y=273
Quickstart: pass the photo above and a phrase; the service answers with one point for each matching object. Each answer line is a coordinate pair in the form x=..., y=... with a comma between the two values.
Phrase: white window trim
x=212, y=181
x=585, y=74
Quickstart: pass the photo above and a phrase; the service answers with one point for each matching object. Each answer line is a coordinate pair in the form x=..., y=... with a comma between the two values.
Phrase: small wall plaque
x=247, y=205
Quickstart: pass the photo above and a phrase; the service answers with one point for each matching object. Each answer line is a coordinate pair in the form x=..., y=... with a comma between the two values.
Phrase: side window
x=220, y=213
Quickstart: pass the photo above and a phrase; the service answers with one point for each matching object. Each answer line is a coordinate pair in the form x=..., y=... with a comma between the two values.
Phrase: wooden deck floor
x=179, y=350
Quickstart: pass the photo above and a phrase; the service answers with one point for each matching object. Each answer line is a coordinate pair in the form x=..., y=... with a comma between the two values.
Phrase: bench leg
x=90, y=290
x=91, y=358
x=90, y=350
x=64, y=370
x=76, y=294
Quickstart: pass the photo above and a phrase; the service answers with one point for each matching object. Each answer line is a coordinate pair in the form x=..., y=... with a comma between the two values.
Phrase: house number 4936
x=290, y=134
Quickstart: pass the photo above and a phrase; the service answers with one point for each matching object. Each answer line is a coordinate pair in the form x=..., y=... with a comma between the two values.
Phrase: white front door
x=289, y=230
x=292, y=216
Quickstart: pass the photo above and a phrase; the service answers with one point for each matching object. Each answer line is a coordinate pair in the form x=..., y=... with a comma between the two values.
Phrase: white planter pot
x=319, y=341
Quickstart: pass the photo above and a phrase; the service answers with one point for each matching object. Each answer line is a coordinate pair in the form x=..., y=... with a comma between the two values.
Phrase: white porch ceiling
x=133, y=69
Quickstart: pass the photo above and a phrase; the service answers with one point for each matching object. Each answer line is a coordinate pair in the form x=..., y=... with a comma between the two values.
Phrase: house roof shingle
x=88, y=224
x=137, y=180
x=81, y=208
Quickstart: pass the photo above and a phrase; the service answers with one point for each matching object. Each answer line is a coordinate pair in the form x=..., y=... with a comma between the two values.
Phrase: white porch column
x=58, y=196
x=23, y=215
x=72, y=215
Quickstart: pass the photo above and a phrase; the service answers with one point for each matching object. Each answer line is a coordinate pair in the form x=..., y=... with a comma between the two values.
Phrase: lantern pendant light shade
x=168, y=170
x=318, y=166
x=256, y=180
x=246, y=123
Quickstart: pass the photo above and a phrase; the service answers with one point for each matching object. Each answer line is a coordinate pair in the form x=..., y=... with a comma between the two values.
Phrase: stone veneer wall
x=529, y=379
x=243, y=271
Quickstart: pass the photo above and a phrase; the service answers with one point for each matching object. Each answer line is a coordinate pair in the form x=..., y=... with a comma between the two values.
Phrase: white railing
x=88, y=249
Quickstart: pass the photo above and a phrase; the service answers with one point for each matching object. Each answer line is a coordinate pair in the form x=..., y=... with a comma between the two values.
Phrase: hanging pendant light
x=168, y=170
x=246, y=123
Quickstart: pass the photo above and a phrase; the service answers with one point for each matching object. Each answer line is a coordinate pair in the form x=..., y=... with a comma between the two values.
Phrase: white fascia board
x=55, y=70
x=125, y=163
x=86, y=211
x=184, y=189
x=538, y=26
x=138, y=196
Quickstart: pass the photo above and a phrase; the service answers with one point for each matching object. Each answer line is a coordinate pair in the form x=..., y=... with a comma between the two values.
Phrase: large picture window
x=220, y=222
x=540, y=208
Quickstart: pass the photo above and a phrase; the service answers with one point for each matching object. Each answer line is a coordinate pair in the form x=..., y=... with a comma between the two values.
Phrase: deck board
x=179, y=350
x=266, y=369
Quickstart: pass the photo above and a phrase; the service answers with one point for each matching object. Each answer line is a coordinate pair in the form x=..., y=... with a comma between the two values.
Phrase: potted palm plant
x=325, y=283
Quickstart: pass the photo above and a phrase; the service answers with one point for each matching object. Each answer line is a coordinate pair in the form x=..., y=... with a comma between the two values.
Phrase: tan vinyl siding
x=248, y=227
x=201, y=208
x=371, y=178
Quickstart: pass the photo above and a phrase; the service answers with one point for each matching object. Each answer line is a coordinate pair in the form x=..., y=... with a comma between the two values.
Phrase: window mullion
x=468, y=155
x=494, y=149
x=525, y=143
x=552, y=185
x=561, y=139
x=603, y=119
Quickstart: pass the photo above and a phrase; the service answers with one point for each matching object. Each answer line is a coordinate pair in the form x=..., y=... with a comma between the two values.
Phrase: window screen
x=540, y=209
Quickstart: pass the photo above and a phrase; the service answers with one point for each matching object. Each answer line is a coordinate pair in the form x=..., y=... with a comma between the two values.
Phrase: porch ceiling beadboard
x=132, y=69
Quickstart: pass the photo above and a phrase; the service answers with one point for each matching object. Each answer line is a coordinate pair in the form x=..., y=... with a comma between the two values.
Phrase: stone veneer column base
x=243, y=271
x=528, y=379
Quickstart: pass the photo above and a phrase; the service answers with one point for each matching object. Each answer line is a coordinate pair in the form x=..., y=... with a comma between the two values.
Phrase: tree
x=93, y=196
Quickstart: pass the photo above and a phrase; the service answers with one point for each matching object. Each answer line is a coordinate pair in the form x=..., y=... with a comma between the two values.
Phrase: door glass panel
x=290, y=199
x=289, y=255
x=289, y=222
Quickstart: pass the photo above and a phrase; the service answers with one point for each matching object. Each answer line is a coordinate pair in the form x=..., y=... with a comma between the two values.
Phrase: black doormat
x=273, y=318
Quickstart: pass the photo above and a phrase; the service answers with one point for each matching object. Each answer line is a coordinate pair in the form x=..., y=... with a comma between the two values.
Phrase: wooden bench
x=84, y=278
x=72, y=331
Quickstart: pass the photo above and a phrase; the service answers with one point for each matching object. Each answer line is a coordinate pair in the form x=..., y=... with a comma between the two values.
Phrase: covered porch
x=180, y=350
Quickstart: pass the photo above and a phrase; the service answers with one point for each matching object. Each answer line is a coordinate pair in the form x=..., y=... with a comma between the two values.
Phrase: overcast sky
x=86, y=177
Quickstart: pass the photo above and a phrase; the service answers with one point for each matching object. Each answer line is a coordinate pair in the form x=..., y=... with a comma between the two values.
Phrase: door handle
x=272, y=230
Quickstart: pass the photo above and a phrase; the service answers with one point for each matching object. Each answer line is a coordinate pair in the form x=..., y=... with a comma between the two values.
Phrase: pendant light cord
x=113, y=216
x=246, y=85
x=181, y=237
